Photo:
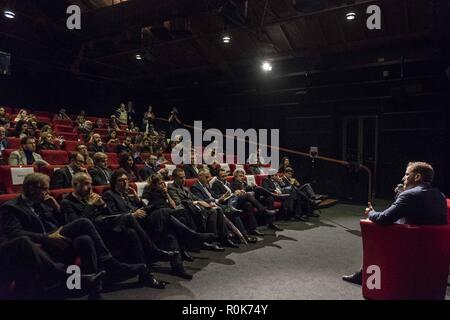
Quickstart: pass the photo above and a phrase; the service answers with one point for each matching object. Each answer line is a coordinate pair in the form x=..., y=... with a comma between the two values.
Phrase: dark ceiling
x=178, y=37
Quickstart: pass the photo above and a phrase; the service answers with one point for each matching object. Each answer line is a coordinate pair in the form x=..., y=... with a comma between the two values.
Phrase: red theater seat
x=112, y=158
x=44, y=114
x=57, y=157
x=101, y=131
x=101, y=189
x=43, y=119
x=13, y=143
x=413, y=261
x=6, y=197
x=64, y=128
x=58, y=194
x=6, y=153
x=92, y=119
x=8, y=110
x=112, y=147
x=62, y=122
x=49, y=170
x=113, y=167
x=71, y=146
x=259, y=178
x=67, y=135
x=6, y=179
x=190, y=182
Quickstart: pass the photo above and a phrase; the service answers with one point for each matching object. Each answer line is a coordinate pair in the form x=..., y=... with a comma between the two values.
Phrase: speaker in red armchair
x=405, y=262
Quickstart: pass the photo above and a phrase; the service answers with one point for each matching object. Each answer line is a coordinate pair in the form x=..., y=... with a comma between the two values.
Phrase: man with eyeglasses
x=101, y=174
x=62, y=178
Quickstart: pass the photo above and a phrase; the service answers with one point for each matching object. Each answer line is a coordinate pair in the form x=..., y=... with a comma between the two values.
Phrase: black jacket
x=190, y=171
x=218, y=189
x=73, y=209
x=147, y=171
x=155, y=198
x=123, y=149
x=18, y=219
x=199, y=191
x=118, y=205
x=61, y=179
x=100, y=176
x=236, y=185
x=95, y=148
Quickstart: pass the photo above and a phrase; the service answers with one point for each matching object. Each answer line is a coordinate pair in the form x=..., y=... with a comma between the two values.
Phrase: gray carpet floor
x=305, y=261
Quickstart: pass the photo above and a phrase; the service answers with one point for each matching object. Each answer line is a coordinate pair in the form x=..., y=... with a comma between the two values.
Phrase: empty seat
x=62, y=122
x=112, y=147
x=71, y=146
x=113, y=167
x=43, y=119
x=44, y=114
x=49, y=170
x=6, y=153
x=64, y=128
x=67, y=135
x=60, y=157
x=13, y=143
x=101, y=189
x=11, y=177
x=190, y=182
x=101, y=131
x=259, y=178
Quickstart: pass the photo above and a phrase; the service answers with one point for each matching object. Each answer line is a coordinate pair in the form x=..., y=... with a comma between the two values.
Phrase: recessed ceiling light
x=138, y=57
x=266, y=66
x=9, y=14
x=226, y=38
x=350, y=16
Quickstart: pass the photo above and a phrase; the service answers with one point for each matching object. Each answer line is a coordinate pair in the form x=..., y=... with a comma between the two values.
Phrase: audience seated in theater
x=122, y=114
x=4, y=118
x=22, y=116
x=46, y=129
x=156, y=193
x=145, y=146
x=161, y=159
x=3, y=144
x=126, y=146
x=62, y=178
x=191, y=169
x=161, y=142
x=259, y=193
x=202, y=190
x=416, y=203
x=48, y=142
x=96, y=144
x=131, y=113
x=21, y=129
x=35, y=214
x=148, y=119
x=62, y=115
x=123, y=200
x=81, y=148
x=120, y=231
x=114, y=124
x=126, y=162
x=99, y=124
x=85, y=131
x=132, y=127
x=150, y=168
x=80, y=120
x=112, y=138
x=297, y=205
x=204, y=217
x=100, y=173
x=32, y=270
x=284, y=163
x=26, y=155
x=255, y=160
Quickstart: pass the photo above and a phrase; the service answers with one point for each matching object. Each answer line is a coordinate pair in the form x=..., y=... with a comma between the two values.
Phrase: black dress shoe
x=148, y=280
x=230, y=243
x=186, y=256
x=166, y=255
x=314, y=215
x=250, y=239
x=301, y=218
x=118, y=271
x=205, y=237
x=182, y=273
x=355, y=278
x=273, y=226
x=212, y=247
x=93, y=280
x=256, y=233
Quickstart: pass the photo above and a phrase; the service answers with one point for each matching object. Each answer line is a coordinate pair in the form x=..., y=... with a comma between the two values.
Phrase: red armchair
x=413, y=260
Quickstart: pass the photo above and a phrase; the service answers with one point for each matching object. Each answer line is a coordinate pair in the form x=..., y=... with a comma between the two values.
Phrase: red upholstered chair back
x=62, y=122
x=67, y=135
x=6, y=197
x=112, y=158
x=71, y=146
x=6, y=180
x=50, y=169
x=56, y=157
x=190, y=182
x=259, y=178
x=58, y=194
x=101, y=189
x=64, y=128
x=13, y=143
x=413, y=260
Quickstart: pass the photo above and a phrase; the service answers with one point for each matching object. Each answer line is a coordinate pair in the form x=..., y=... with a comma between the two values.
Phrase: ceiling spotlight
x=350, y=16
x=9, y=14
x=226, y=38
x=266, y=66
x=138, y=57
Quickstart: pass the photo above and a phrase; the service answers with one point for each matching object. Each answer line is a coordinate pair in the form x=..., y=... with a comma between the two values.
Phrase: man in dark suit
x=201, y=190
x=417, y=203
x=34, y=215
x=101, y=174
x=262, y=195
x=125, y=147
x=150, y=169
x=62, y=178
x=201, y=211
x=121, y=232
